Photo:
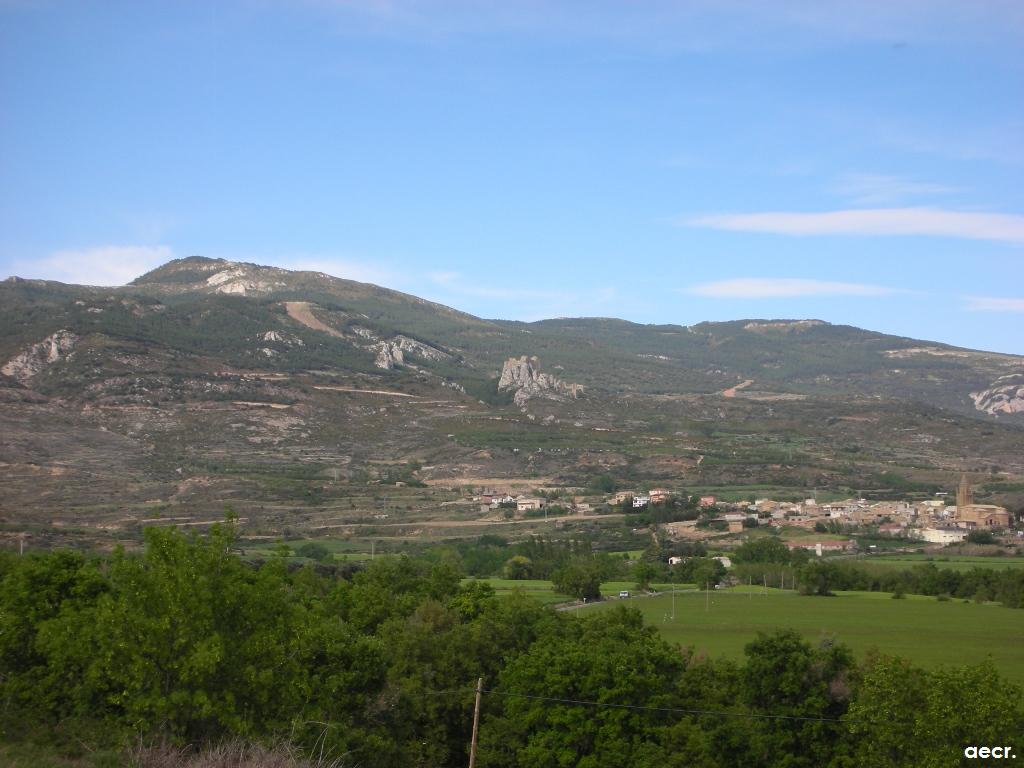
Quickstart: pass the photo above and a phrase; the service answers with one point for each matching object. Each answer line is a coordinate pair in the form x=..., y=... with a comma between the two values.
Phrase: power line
x=638, y=707
x=679, y=710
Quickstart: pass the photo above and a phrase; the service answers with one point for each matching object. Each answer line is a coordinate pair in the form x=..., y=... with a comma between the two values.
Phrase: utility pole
x=476, y=722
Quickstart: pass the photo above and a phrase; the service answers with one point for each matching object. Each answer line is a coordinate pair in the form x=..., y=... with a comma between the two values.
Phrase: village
x=930, y=521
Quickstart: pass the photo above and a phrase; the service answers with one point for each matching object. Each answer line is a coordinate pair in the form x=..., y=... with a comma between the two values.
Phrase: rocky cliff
x=52, y=349
x=1005, y=395
x=522, y=375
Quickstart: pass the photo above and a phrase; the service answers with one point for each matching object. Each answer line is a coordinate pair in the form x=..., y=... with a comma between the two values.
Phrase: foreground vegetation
x=189, y=643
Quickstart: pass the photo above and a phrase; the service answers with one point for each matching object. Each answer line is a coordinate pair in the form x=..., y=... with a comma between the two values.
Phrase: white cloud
x=930, y=222
x=882, y=189
x=993, y=304
x=102, y=265
x=780, y=288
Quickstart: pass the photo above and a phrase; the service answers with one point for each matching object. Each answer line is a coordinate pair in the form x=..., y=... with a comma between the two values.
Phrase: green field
x=538, y=589
x=542, y=589
x=922, y=629
x=955, y=562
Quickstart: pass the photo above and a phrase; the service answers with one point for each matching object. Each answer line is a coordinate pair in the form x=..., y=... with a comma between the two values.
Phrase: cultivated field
x=541, y=589
x=954, y=562
x=925, y=630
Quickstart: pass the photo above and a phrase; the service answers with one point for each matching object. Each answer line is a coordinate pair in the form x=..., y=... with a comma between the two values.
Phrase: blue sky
x=859, y=162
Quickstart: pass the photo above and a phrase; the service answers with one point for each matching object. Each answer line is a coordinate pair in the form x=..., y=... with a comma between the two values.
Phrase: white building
x=942, y=535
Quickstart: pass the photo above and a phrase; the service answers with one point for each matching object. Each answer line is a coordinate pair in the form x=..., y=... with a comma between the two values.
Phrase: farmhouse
x=527, y=503
x=942, y=535
x=658, y=495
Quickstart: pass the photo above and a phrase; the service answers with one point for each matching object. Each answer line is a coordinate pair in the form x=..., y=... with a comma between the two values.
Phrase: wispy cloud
x=100, y=265
x=882, y=189
x=997, y=142
x=992, y=304
x=783, y=288
x=929, y=222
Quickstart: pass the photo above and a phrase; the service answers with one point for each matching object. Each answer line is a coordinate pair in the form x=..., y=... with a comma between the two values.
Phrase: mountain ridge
x=178, y=394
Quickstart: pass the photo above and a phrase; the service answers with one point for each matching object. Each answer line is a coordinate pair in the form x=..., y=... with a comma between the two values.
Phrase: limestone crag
x=52, y=349
x=245, y=279
x=389, y=356
x=1005, y=395
x=391, y=353
x=415, y=347
x=522, y=375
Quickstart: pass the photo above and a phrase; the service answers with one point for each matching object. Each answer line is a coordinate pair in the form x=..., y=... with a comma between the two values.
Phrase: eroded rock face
x=523, y=376
x=425, y=351
x=391, y=353
x=244, y=279
x=52, y=349
x=389, y=356
x=1006, y=395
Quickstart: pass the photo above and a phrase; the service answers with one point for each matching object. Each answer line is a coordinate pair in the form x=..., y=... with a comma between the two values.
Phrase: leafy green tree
x=314, y=551
x=764, y=550
x=611, y=658
x=903, y=716
x=818, y=578
x=580, y=577
x=787, y=678
x=981, y=537
x=518, y=567
x=645, y=572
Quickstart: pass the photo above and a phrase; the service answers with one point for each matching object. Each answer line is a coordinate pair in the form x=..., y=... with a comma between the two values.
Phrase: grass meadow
x=956, y=562
x=923, y=629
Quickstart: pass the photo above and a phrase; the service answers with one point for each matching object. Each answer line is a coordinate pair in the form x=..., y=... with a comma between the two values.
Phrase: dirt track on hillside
x=300, y=312
x=731, y=391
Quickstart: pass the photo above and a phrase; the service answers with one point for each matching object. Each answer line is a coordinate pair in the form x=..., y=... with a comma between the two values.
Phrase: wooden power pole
x=476, y=722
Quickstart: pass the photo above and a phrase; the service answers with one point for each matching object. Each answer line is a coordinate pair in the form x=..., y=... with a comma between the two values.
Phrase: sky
x=855, y=161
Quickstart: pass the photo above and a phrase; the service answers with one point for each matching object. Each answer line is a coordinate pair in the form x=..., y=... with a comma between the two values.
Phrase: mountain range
x=207, y=382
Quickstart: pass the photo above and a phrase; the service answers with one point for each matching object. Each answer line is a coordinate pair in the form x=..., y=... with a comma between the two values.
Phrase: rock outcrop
x=522, y=375
x=52, y=349
x=389, y=356
x=1005, y=395
x=425, y=351
x=391, y=353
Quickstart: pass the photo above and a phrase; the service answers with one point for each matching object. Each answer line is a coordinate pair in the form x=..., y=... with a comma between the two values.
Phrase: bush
x=981, y=537
x=314, y=551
